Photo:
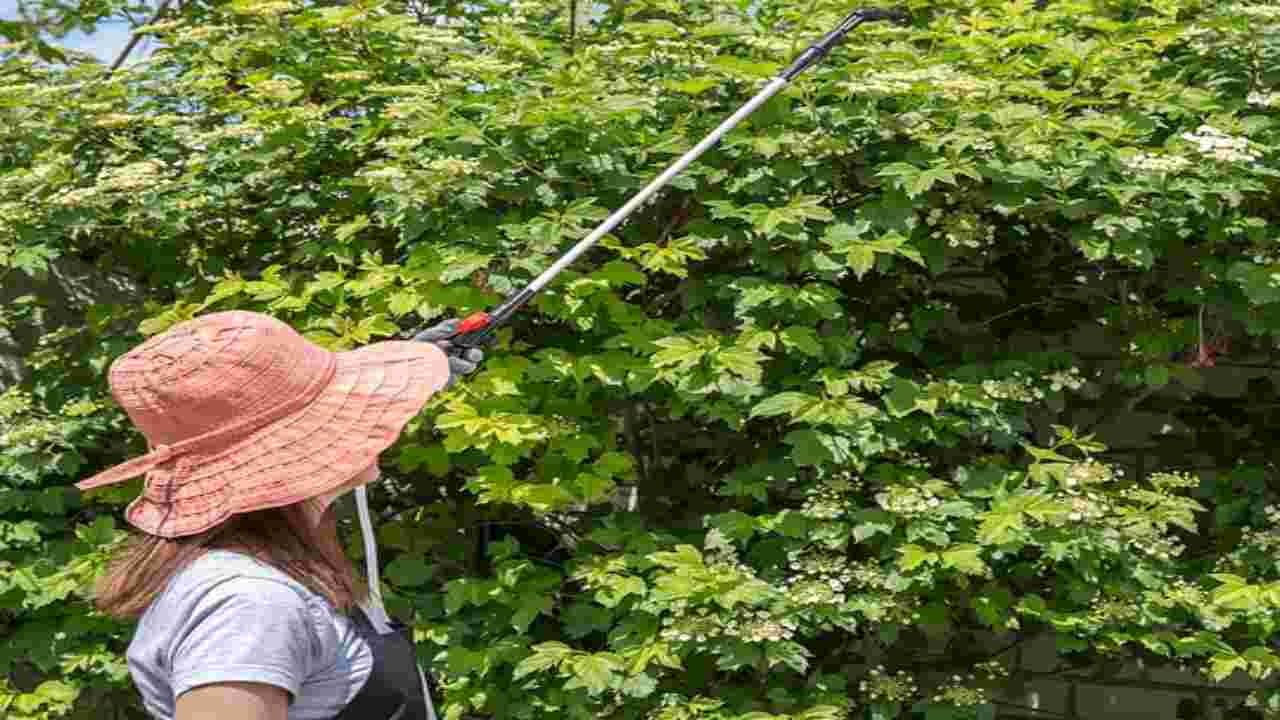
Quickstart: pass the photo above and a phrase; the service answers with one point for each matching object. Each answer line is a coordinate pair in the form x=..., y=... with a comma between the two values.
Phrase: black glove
x=462, y=361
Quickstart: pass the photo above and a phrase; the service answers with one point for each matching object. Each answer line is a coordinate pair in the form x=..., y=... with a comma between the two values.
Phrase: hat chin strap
x=373, y=607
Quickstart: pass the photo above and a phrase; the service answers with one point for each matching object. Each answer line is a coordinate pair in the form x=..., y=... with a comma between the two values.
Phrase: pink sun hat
x=242, y=413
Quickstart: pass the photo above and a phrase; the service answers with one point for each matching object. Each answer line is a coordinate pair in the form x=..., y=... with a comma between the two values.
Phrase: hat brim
x=374, y=393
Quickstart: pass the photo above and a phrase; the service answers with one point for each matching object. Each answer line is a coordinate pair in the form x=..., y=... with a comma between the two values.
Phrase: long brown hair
x=287, y=538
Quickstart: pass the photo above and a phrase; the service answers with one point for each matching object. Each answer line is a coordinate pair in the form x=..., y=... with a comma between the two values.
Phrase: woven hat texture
x=242, y=413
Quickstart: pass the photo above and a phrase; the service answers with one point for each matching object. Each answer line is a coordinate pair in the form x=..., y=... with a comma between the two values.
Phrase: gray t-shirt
x=229, y=618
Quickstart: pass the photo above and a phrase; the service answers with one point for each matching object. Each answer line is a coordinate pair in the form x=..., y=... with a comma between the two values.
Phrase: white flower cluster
x=197, y=34
x=192, y=203
x=1171, y=480
x=944, y=80
x=357, y=75
x=1112, y=225
x=1179, y=592
x=691, y=629
x=1157, y=547
x=818, y=578
x=1017, y=389
x=757, y=626
x=454, y=166
x=1261, y=99
x=404, y=109
x=823, y=503
x=908, y=501
x=1033, y=151
x=992, y=669
x=30, y=431
x=282, y=88
x=239, y=132
x=898, y=322
x=76, y=197
x=13, y=402
x=1213, y=143
x=1103, y=610
x=115, y=120
x=960, y=229
x=1070, y=379
x=761, y=628
x=399, y=145
x=1264, y=542
x=162, y=26
x=883, y=687
x=386, y=174
x=814, y=593
x=1262, y=12
x=266, y=9
x=869, y=575
x=1089, y=472
x=1150, y=164
x=955, y=692
x=1087, y=507
x=136, y=176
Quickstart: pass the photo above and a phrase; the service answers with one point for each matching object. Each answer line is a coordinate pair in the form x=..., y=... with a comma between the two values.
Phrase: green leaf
x=786, y=403
x=884, y=711
x=788, y=653
x=803, y=339
x=861, y=259
x=403, y=302
x=741, y=361
x=33, y=259
x=433, y=457
x=965, y=558
x=681, y=352
x=349, y=230
x=545, y=656
x=102, y=531
x=913, y=556
x=938, y=711
x=869, y=523
x=409, y=571
x=998, y=525
x=597, y=673
x=528, y=607
x=693, y=86
x=814, y=448
x=639, y=686
x=1235, y=593
x=902, y=397
x=462, y=265
x=593, y=488
x=1157, y=375
x=617, y=588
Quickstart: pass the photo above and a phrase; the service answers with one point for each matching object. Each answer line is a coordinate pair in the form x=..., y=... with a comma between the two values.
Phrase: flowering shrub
x=964, y=341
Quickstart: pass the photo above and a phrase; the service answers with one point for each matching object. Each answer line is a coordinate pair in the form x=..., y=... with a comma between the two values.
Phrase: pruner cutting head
x=819, y=50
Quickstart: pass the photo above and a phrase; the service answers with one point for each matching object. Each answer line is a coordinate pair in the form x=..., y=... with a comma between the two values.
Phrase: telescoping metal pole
x=477, y=329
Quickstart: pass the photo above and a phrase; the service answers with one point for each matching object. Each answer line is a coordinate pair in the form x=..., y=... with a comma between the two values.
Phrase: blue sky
x=105, y=44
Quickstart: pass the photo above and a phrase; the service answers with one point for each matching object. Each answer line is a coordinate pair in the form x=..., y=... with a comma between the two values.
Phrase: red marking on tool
x=473, y=322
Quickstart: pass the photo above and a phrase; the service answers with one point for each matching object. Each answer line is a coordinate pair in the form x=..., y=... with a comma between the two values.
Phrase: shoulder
x=232, y=593
x=221, y=576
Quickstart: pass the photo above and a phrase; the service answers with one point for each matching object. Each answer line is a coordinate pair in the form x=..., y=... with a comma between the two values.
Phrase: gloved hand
x=462, y=361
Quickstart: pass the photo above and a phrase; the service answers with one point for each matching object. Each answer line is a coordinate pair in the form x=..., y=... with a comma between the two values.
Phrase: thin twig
x=136, y=36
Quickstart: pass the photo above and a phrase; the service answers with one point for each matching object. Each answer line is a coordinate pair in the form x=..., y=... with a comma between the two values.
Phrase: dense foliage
x=824, y=431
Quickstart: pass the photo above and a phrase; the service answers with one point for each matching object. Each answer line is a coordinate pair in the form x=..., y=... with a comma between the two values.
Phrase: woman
x=248, y=607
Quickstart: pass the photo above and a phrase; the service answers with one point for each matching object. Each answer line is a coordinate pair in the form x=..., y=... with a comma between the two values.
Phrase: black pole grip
x=495, y=319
